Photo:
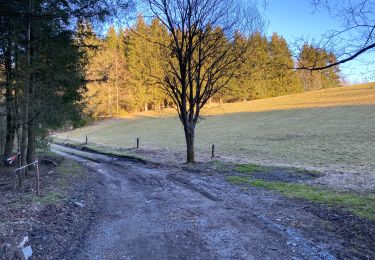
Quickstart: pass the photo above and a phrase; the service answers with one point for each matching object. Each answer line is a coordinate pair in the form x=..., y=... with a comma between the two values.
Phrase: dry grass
x=328, y=130
x=363, y=94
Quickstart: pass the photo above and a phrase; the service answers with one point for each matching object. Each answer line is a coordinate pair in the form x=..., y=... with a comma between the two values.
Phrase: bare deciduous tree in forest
x=204, y=52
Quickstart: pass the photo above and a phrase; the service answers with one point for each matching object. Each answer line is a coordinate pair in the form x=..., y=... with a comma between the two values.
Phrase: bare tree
x=204, y=53
x=357, y=33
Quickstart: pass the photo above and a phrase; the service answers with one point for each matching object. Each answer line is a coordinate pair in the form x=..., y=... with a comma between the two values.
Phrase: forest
x=122, y=68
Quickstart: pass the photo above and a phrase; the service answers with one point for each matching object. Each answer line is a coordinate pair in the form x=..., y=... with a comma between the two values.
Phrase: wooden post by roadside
x=137, y=143
x=19, y=174
x=213, y=151
x=86, y=140
x=37, y=178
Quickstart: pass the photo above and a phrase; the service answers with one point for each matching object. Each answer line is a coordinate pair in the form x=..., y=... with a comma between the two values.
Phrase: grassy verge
x=50, y=198
x=102, y=149
x=360, y=205
x=249, y=168
x=57, y=183
x=239, y=180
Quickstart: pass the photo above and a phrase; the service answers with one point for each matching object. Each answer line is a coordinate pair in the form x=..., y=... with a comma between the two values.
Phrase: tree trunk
x=23, y=146
x=30, y=157
x=117, y=90
x=26, y=100
x=109, y=101
x=2, y=138
x=189, y=137
x=146, y=107
x=10, y=132
x=10, y=123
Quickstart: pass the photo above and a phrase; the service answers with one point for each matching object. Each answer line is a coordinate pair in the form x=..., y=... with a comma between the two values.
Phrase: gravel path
x=156, y=212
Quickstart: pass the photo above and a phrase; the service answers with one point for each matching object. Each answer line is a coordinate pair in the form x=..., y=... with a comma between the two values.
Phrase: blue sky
x=294, y=19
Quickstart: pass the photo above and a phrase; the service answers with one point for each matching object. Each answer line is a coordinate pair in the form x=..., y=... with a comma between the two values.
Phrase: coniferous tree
x=315, y=57
x=139, y=62
x=145, y=59
x=281, y=80
x=41, y=65
x=107, y=75
x=256, y=66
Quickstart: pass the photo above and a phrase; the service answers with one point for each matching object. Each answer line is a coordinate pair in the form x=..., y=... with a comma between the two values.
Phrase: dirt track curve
x=156, y=212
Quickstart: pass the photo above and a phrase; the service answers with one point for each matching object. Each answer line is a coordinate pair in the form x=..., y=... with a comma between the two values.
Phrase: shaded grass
x=108, y=150
x=50, y=198
x=102, y=149
x=360, y=205
x=65, y=173
x=239, y=180
x=69, y=168
x=249, y=168
x=307, y=172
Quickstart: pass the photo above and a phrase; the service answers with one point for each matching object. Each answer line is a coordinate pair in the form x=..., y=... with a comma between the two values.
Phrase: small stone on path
x=24, y=253
x=79, y=204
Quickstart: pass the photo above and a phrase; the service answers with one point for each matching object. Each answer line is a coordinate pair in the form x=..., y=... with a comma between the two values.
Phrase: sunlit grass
x=360, y=205
x=363, y=94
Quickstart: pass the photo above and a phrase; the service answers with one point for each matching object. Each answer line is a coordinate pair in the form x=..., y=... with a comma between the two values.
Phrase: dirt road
x=156, y=212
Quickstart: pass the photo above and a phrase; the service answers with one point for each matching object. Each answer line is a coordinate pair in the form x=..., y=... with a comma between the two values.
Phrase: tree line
x=42, y=69
x=125, y=64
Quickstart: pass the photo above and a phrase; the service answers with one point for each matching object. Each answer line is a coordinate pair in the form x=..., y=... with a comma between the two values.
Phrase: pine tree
x=108, y=76
x=139, y=52
x=312, y=80
x=145, y=60
x=256, y=65
x=45, y=72
x=281, y=79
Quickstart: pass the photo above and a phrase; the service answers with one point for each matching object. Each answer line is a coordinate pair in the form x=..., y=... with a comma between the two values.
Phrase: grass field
x=327, y=130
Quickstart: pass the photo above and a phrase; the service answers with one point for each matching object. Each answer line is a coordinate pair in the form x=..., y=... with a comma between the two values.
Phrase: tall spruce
x=281, y=80
x=41, y=66
x=316, y=57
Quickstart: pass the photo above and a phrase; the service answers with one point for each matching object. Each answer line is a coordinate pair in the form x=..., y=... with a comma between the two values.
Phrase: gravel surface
x=162, y=212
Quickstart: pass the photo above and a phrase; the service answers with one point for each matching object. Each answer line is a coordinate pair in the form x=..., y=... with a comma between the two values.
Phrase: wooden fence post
x=86, y=140
x=37, y=178
x=19, y=174
x=137, y=143
x=213, y=151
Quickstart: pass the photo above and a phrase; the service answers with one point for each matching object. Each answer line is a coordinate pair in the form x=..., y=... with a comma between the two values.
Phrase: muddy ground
x=162, y=212
x=134, y=210
x=53, y=222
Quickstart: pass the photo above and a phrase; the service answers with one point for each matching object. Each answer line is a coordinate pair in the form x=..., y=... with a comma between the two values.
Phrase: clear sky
x=294, y=19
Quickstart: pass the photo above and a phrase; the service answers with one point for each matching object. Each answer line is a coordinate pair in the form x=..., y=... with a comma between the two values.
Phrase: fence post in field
x=86, y=140
x=137, y=143
x=213, y=151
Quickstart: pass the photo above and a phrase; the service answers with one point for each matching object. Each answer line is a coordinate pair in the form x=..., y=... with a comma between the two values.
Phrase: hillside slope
x=329, y=130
